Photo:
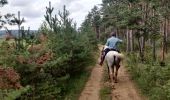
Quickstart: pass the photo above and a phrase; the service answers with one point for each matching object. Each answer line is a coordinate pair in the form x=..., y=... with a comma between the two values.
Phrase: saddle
x=107, y=50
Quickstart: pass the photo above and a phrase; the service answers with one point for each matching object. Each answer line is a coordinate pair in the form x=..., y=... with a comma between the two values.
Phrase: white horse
x=113, y=58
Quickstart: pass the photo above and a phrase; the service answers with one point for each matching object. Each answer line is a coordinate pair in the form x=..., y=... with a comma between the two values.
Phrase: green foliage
x=141, y=16
x=43, y=85
x=166, y=87
x=105, y=91
x=7, y=55
x=3, y=2
x=13, y=95
x=87, y=30
x=72, y=52
x=152, y=79
x=95, y=16
x=76, y=84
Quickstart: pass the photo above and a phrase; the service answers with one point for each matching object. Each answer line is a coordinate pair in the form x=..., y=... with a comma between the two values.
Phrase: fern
x=16, y=93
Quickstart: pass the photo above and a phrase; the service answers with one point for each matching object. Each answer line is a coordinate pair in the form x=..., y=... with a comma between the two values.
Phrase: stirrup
x=101, y=63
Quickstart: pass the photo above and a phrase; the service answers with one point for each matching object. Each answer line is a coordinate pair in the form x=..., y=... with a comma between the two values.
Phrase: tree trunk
x=154, y=51
x=19, y=32
x=97, y=32
x=162, y=30
x=131, y=40
x=166, y=35
x=153, y=41
x=127, y=41
x=164, y=41
x=142, y=48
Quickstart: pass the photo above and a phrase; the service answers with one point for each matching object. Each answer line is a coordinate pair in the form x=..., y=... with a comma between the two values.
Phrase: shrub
x=153, y=80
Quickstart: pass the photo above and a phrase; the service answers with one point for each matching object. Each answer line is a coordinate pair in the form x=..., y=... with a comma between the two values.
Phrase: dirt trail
x=125, y=88
x=93, y=85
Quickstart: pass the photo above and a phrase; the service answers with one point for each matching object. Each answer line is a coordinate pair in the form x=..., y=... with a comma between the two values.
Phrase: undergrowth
x=105, y=91
x=152, y=79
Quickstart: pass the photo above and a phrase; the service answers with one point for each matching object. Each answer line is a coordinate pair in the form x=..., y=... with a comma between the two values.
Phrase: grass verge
x=105, y=91
x=76, y=85
x=152, y=79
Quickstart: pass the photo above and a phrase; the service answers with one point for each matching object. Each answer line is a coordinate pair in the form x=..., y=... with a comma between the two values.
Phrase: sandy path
x=125, y=88
x=93, y=85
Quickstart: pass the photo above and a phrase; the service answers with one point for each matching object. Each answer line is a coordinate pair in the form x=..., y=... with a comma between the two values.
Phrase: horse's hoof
x=113, y=78
x=112, y=86
x=109, y=78
x=116, y=80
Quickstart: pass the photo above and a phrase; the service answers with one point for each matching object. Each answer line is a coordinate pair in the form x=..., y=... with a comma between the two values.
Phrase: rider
x=111, y=44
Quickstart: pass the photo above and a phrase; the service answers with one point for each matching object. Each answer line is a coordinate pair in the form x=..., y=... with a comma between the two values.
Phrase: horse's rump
x=113, y=57
x=111, y=54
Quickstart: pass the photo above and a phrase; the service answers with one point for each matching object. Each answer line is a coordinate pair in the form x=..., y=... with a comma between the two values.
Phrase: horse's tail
x=119, y=55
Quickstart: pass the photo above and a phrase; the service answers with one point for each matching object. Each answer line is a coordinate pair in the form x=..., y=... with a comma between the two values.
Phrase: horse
x=113, y=59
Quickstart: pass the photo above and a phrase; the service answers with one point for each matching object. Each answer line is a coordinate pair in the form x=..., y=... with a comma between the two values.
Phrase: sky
x=33, y=11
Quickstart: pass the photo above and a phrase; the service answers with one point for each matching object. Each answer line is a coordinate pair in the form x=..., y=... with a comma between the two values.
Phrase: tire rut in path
x=93, y=85
x=125, y=88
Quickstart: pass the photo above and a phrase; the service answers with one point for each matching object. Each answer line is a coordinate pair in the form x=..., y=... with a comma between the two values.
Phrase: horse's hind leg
x=113, y=72
x=111, y=75
x=117, y=68
x=108, y=72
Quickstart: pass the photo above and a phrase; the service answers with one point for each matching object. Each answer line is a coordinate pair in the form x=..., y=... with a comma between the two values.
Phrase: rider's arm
x=107, y=43
x=119, y=40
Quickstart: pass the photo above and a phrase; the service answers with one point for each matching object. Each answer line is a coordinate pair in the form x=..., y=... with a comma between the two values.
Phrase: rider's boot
x=101, y=60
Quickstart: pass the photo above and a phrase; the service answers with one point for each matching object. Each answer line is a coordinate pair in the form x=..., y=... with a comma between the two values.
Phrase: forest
x=55, y=62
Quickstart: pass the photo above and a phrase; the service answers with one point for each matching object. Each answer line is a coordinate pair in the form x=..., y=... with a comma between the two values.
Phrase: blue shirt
x=112, y=42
